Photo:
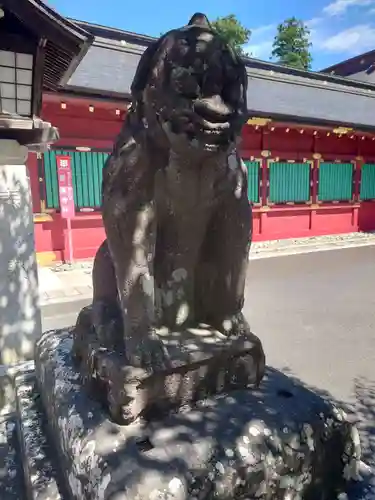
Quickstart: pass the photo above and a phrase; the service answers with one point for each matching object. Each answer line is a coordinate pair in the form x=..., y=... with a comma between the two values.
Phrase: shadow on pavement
x=363, y=413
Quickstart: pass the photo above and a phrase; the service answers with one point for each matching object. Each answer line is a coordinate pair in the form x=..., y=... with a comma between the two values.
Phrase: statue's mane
x=153, y=55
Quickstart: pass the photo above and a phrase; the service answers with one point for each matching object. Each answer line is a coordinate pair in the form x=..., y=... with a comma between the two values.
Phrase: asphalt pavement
x=315, y=314
x=62, y=314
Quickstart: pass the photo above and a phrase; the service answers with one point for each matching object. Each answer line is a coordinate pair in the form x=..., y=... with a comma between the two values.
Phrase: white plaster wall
x=20, y=320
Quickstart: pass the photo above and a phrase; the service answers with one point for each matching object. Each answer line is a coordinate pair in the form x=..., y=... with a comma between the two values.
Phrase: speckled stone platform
x=281, y=441
x=11, y=472
x=196, y=363
x=35, y=447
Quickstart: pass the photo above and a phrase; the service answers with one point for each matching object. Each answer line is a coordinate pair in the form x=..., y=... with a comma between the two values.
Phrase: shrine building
x=309, y=145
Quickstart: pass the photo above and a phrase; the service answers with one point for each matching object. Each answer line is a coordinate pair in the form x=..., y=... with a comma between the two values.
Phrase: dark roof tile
x=109, y=67
x=106, y=70
x=306, y=99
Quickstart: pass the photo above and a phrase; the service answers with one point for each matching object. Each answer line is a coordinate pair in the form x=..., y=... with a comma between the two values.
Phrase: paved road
x=61, y=315
x=316, y=316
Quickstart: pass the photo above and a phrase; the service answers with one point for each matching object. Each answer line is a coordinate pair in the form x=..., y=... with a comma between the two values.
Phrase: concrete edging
x=255, y=253
x=307, y=248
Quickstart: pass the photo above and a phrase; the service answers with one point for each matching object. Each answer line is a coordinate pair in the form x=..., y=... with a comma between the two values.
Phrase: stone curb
x=308, y=248
x=63, y=300
x=255, y=254
x=39, y=474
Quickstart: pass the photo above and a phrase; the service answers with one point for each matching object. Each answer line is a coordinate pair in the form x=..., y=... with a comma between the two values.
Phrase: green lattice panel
x=87, y=176
x=289, y=182
x=368, y=182
x=253, y=168
x=335, y=181
x=50, y=176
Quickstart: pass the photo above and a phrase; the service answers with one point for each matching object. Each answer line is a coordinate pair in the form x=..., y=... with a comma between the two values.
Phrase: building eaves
x=65, y=43
x=306, y=101
x=107, y=37
x=346, y=62
x=48, y=23
x=274, y=90
x=108, y=33
x=321, y=79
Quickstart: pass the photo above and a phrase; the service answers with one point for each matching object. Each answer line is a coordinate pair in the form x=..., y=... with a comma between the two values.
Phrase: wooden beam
x=17, y=43
x=38, y=78
x=45, y=23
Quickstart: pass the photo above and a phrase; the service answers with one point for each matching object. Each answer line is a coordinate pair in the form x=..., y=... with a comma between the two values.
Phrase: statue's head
x=191, y=87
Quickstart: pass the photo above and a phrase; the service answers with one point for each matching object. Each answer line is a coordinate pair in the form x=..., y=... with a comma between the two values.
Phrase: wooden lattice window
x=335, y=181
x=289, y=182
x=87, y=178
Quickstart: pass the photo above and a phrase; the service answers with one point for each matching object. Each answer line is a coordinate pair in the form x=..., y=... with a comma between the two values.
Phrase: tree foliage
x=292, y=44
x=232, y=31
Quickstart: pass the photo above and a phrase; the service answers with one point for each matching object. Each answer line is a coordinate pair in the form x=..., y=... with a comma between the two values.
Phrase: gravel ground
x=258, y=247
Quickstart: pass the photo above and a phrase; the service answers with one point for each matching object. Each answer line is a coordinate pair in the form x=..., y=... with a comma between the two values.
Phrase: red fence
x=301, y=183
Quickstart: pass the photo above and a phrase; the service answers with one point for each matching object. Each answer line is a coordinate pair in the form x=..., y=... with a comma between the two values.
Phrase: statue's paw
x=121, y=414
x=235, y=326
x=83, y=331
x=149, y=353
x=120, y=406
x=108, y=325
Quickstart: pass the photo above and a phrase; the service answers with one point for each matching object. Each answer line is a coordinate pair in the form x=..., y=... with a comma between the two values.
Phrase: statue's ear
x=199, y=19
x=144, y=69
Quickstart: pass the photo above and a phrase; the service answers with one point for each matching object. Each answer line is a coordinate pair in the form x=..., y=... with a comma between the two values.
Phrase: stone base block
x=280, y=441
x=40, y=475
x=11, y=474
x=197, y=362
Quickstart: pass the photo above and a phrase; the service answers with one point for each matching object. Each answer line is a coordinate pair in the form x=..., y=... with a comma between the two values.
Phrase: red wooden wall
x=287, y=143
x=84, y=123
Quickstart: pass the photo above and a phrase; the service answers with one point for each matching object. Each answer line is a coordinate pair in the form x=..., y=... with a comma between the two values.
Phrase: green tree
x=291, y=45
x=232, y=31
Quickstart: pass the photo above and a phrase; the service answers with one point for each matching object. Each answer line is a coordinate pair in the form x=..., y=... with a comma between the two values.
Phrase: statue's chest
x=189, y=189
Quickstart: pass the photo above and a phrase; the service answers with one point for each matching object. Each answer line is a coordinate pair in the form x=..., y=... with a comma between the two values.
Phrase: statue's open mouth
x=213, y=134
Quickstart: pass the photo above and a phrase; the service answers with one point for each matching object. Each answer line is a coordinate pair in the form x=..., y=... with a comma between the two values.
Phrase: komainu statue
x=151, y=394
x=166, y=323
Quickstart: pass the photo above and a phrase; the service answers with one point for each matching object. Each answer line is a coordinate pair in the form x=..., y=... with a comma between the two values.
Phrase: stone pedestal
x=197, y=363
x=20, y=323
x=277, y=442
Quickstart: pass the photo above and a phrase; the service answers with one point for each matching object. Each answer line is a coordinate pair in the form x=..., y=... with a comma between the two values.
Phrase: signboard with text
x=65, y=183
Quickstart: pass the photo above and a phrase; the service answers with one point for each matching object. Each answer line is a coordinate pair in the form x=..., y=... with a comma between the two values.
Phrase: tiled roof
x=109, y=66
x=352, y=65
x=367, y=76
x=290, y=96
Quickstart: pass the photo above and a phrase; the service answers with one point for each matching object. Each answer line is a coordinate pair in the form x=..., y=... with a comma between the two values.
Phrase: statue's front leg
x=131, y=240
x=222, y=271
x=177, y=254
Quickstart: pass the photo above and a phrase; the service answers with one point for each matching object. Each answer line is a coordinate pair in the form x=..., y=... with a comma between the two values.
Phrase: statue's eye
x=232, y=93
x=212, y=80
x=234, y=84
x=184, y=82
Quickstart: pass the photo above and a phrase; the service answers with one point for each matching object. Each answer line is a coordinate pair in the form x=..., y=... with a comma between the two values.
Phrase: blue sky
x=339, y=28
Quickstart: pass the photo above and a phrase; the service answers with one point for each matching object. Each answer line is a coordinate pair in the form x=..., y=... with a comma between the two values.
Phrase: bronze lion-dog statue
x=165, y=327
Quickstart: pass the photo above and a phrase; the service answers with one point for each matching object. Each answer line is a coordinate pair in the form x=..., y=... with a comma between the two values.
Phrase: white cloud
x=338, y=7
x=261, y=30
x=324, y=35
x=259, y=50
x=261, y=40
x=357, y=39
x=314, y=22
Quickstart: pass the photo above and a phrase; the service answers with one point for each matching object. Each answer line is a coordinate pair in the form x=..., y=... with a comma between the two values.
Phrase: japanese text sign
x=65, y=183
